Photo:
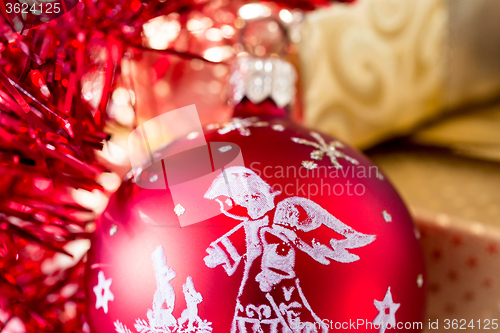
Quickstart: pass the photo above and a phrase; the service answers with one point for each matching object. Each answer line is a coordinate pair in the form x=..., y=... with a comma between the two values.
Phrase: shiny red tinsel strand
x=48, y=135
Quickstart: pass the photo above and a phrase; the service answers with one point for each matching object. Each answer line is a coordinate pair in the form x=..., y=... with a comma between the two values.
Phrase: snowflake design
x=309, y=165
x=120, y=328
x=322, y=149
x=240, y=124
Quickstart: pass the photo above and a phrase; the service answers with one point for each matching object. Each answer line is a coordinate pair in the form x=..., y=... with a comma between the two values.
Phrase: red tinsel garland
x=48, y=133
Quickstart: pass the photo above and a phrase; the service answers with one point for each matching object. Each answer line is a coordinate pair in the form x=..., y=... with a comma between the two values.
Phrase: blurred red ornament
x=270, y=227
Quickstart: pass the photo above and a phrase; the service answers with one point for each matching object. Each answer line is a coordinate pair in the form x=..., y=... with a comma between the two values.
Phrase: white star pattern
x=384, y=319
x=102, y=292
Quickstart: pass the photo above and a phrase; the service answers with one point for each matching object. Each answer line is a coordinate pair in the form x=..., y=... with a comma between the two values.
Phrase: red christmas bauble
x=284, y=229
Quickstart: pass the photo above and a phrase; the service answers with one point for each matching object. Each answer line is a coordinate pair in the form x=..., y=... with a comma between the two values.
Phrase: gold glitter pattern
x=322, y=149
x=309, y=165
x=242, y=125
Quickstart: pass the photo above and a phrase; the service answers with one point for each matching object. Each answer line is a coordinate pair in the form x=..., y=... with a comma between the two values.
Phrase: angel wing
x=287, y=217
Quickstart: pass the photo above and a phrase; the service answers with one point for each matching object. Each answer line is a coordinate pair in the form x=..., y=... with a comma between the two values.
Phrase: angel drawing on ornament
x=271, y=245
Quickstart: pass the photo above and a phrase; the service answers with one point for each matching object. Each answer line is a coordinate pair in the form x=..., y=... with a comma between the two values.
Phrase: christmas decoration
x=308, y=236
x=57, y=73
x=292, y=246
x=48, y=137
x=56, y=80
